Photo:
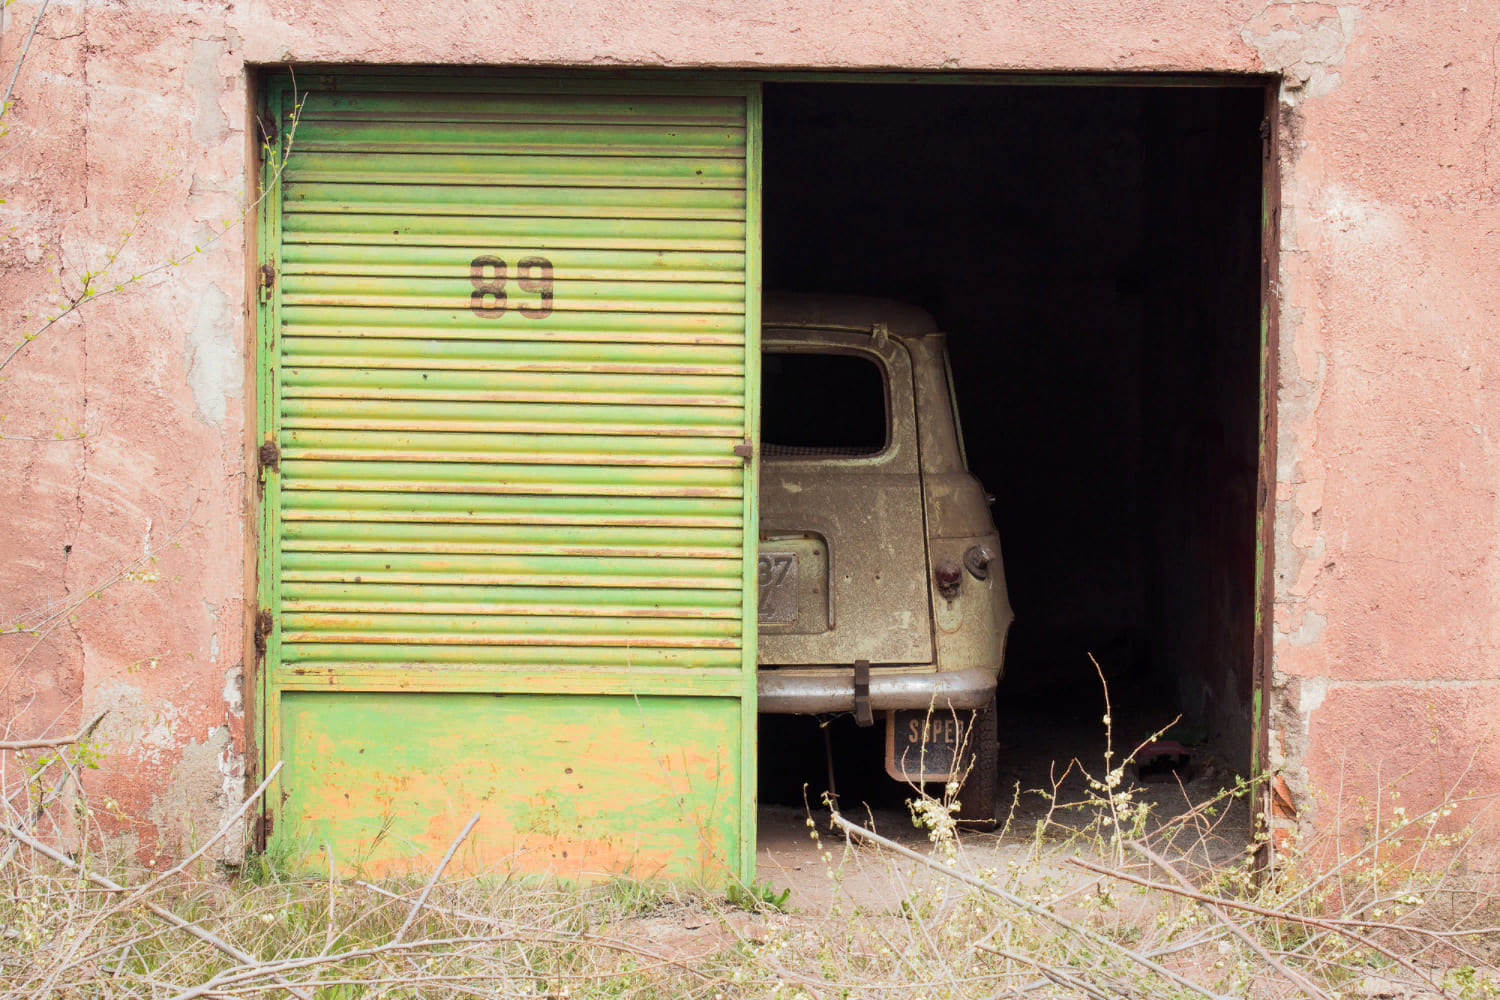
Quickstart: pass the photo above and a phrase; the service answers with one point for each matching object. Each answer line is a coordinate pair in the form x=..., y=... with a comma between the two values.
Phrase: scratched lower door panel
x=572, y=784
x=507, y=366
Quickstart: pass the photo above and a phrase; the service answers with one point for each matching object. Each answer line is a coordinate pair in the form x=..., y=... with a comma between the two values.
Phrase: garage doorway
x=1095, y=254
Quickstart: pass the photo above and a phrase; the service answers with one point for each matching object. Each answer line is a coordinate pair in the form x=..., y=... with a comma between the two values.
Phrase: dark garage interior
x=1093, y=253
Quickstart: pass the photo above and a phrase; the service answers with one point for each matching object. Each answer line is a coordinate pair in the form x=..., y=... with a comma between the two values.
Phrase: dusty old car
x=881, y=587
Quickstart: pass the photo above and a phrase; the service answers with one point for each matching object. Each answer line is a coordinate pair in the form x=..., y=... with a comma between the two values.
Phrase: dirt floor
x=1048, y=752
x=839, y=901
x=829, y=875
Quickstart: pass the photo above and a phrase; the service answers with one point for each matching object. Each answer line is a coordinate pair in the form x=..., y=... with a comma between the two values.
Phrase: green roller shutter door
x=508, y=361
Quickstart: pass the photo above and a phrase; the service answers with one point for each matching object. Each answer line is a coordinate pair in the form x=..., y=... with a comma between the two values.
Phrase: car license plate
x=923, y=745
x=779, y=595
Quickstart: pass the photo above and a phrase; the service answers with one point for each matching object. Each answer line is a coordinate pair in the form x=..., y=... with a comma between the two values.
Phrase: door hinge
x=267, y=281
x=270, y=457
x=267, y=827
x=264, y=623
x=268, y=128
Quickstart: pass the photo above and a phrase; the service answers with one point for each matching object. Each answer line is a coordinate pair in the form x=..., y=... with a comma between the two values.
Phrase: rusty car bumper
x=803, y=691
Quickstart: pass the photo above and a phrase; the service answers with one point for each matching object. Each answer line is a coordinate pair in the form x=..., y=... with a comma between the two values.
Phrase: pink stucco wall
x=1385, y=578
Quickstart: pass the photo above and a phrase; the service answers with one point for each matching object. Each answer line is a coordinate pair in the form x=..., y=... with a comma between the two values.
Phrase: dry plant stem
x=1449, y=795
x=1290, y=975
x=1109, y=753
x=56, y=790
x=61, y=741
x=143, y=890
x=534, y=934
x=62, y=612
x=1022, y=904
x=21, y=59
x=253, y=970
x=1054, y=975
x=1197, y=941
x=207, y=937
x=437, y=874
x=224, y=828
x=88, y=294
x=1332, y=925
x=1335, y=925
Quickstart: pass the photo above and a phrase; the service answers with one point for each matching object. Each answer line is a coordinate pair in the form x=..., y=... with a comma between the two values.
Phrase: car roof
x=798, y=309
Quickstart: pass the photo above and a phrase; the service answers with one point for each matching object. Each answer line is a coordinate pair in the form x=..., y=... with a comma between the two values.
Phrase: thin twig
x=1289, y=974
x=88, y=294
x=1053, y=974
x=206, y=936
x=61, y=741
x=43, y=440
x=1332, y=925
x=252, y=970
x=21, y=59
x=537, y=934
x=1022, y=904
x=437, y=874
x=1338, y=925
x=224, y=828
x=62, y=782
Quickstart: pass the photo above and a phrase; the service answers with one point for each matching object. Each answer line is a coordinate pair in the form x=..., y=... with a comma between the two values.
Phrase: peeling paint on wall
x=234, y=691
x=202, y=789
x=136, y=726
x=1308, y=631
x=1305, y=43
x=215, y=369
x=210, y=124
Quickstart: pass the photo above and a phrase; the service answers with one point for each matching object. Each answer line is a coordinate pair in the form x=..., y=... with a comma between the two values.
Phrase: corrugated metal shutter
x=507, y=358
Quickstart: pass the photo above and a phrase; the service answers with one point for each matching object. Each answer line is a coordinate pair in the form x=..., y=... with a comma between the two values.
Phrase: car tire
x=980, y=793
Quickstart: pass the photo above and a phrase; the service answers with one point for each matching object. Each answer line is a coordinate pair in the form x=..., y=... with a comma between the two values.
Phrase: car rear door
x=843, y=563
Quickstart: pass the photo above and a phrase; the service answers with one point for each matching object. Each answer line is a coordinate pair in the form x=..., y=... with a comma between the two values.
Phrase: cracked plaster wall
x=1384, y=557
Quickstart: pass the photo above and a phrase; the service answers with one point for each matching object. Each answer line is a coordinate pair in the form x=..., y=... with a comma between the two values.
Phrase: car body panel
x=882, y=528
x=866, y=511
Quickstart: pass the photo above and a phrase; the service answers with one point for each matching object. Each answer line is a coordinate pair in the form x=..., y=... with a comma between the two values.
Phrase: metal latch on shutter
x=745, y=449
x=267, y=281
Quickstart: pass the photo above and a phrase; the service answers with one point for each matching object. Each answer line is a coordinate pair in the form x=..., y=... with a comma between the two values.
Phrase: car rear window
x=821, y=405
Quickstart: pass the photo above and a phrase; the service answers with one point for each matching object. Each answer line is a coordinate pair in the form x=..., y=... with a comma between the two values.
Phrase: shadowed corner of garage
x=1094, y=255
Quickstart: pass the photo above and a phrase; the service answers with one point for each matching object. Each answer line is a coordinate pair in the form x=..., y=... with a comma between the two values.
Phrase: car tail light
x=948, y=576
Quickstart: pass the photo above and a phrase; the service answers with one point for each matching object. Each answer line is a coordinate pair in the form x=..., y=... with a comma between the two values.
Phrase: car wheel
x=981, y=788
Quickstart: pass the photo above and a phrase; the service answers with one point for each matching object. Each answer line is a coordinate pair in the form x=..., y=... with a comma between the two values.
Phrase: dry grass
x=1121, y=905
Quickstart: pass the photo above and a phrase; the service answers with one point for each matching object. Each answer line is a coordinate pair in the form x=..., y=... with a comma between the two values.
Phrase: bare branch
x=437, y=874
x=1022, y=904
x=1290, y=975
x=1052, y=973
x=21, y=59
x=88, y=293
x=1335, y=926
x=224, y=828
x=206, y=936
x=61, y=741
